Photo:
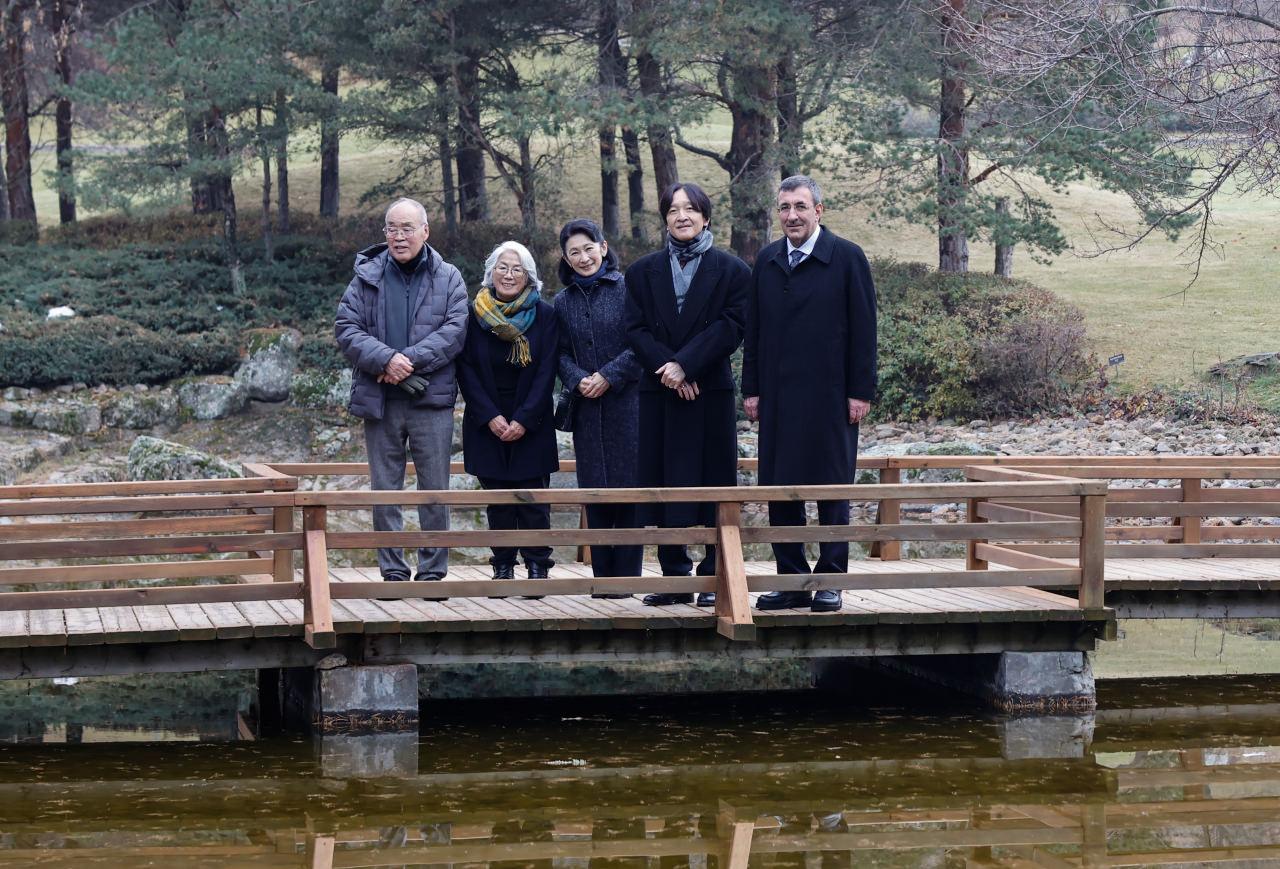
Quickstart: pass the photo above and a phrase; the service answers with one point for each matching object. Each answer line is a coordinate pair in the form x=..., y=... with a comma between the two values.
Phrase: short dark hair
x=796, y=182
x=589, y=228
x=697, y=198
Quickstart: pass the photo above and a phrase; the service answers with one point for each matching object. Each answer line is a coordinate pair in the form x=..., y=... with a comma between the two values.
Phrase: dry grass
x=1133, y=301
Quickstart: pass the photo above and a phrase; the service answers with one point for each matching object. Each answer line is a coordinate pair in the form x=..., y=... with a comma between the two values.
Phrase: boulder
x=271, y=359
x=929, y=448
x=61, y=312
x=321, y=389
x=62, y=417
x=140, y=409
x=1247, y=367
x=213, y=397
x=155, y=459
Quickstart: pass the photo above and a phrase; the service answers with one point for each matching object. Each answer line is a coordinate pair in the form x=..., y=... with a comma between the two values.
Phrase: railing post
x=317, y=614
x=1190, y=525
x=972, y=561
x=1093, y=539
x=890, y=513
x=733, y=605
x=282, y=564
x=584, y=552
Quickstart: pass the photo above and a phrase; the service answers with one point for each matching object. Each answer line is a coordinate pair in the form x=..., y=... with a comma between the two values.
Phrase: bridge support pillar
x=1021, y=683
x=335, y=697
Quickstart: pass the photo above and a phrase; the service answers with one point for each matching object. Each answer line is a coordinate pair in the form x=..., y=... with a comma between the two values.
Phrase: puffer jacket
x=437, y=330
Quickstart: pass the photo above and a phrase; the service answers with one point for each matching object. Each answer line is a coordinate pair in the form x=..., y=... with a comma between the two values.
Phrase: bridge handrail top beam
x=351, y=499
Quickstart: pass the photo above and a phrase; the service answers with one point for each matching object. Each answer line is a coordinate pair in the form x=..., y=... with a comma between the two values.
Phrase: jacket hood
x=373, y=259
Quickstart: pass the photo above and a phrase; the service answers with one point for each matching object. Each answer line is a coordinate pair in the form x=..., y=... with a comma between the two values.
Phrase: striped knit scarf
x=509, y=320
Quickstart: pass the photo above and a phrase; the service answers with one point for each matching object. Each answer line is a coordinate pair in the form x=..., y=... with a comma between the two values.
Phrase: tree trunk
x=610, y=74
x=751, y=167
x=63, y=15
x=528, y=189
x=4, y=186
x=329, y=145
x=473, y=198
x=635, y=183
x=206, y=187
x=445, y=146
x=953, y=150
x=282, y=162
x=661, y=145
x=268, y=247
x=790, y=123
x=227, y=198
x=1004, y=250
x=17, y=123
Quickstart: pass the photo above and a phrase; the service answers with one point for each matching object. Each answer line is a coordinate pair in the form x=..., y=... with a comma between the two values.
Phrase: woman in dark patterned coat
x=599, y=367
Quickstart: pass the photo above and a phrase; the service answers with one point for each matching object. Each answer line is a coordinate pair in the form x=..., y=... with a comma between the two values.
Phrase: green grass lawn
x=1133, y=301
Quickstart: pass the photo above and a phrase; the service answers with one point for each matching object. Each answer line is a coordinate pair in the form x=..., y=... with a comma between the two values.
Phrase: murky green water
x=1173, y=772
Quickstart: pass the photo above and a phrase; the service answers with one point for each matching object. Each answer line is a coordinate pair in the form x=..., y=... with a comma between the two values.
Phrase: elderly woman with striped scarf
x=507, y=371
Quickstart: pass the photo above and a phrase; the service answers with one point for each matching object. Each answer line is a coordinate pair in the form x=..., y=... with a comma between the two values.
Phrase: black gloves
x=414, y=385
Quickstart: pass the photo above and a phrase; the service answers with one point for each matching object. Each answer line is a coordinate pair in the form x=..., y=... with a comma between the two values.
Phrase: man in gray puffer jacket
x=401, y=323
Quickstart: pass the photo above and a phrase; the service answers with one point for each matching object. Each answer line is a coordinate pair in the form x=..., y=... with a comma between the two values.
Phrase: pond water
x=170, y=773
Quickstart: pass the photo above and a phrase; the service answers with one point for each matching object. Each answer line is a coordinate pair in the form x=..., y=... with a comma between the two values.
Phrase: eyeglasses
x=517, y=271
x=399, y=231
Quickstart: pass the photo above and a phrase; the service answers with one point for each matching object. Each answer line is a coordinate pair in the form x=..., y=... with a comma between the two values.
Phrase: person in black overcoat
x=599, y=370
x=507, y=372
x=809, y=374
x=686, y=306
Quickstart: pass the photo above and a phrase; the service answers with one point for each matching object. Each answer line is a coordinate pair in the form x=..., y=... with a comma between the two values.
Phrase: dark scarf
x=586, y=283
x=683, y=251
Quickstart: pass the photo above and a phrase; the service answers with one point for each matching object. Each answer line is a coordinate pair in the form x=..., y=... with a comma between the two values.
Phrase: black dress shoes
x=502, y=571
x=394, y=577
x=536, y=571
x=663, y=599
x=784, y=600
x=424, y=577
x=827, y=601
x=706, y=598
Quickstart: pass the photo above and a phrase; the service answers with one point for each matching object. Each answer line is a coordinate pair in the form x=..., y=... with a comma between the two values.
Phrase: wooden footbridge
x=106, y=578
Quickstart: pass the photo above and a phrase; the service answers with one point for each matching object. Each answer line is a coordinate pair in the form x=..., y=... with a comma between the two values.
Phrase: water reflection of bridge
x=1133, y=798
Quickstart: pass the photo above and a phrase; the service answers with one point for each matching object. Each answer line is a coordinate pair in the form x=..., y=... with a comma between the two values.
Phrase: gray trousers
x=428, y=433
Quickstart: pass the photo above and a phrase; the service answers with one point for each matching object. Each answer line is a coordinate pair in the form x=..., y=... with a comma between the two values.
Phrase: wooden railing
x=731, y=584
x=154, y=531
x=1038, y=520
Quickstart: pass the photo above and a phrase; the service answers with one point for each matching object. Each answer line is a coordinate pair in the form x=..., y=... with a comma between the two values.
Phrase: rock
x=69, y=418
x=155, y=459
x=213, y=397
x=21, y=452
x=63, y=417
x=135, y=410
x=61, y=312
x=270, y=362
x=319, y=389
x=1247, y=367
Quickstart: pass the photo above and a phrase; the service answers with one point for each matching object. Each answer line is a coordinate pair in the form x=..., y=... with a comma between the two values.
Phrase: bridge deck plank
x=280, y=618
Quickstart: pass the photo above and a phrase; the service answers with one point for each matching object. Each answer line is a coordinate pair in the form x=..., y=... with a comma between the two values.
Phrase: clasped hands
x=593, y=385
x=672, y=376
x=397, y=369
x=507, y=432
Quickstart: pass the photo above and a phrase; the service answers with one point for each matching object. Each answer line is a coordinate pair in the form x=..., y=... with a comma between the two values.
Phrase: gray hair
x=526, y=260
x=404, y=200
x=795, y=182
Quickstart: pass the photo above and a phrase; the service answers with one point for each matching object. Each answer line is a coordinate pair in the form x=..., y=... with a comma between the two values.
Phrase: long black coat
x=593, y=338
x=534, y=454
x=687, y=443
x=810, y=346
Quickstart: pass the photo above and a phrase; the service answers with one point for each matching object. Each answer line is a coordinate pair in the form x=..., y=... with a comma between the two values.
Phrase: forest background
x=179, y=171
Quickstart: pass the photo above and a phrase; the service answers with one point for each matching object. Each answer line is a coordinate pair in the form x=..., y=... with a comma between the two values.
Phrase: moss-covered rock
x=212, y=397
x=321, y=389
x=271, y=359
x=155, y=459
x=137, y=410
x=62, y=417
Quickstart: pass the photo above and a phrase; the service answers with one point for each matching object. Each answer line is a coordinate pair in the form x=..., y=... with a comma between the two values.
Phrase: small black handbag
x=566, y=407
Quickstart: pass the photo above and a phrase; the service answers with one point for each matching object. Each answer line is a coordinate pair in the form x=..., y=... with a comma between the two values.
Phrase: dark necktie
x=796, y=256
